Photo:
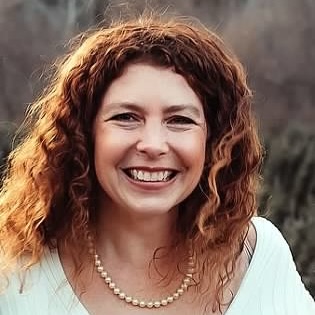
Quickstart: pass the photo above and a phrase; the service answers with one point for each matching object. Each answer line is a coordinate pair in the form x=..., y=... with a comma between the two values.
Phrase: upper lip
x=150, y=169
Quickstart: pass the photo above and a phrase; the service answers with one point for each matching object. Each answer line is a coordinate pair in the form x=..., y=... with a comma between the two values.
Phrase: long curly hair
x=48, y=192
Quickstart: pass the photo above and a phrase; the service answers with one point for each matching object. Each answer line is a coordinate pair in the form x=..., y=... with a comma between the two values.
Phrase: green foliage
x=288, y=194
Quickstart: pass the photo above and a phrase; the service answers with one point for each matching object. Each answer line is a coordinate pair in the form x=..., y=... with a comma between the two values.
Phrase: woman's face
x=150, y=139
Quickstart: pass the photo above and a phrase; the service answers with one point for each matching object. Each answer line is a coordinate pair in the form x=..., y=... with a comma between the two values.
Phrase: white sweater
x=271, y=285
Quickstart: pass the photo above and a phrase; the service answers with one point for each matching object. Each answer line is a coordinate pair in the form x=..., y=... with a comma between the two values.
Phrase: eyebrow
x=168, y=110
x=182, y=107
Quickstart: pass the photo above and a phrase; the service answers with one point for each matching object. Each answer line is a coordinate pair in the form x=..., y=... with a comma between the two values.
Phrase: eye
x=180, y=120
x=125, y=117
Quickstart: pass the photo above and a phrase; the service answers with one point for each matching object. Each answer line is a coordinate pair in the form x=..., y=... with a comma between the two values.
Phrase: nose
x=153, y=141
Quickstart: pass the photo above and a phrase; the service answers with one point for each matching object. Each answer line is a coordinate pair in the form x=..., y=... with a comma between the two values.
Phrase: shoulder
x=274, y=272
x=264, y=235
x=263, y=232
x=262, y=224
x=22, y=288
x=270, y=248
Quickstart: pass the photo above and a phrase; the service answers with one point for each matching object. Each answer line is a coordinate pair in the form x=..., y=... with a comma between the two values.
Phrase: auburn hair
x=47, y=193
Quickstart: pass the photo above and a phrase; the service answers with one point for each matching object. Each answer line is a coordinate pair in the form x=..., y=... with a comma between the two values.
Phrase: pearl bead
x=112, y=285
x=187, y=280
x=104, y=274
x=150, y=304
x=108, y=279
x=180, y=291
x=122, y=295
x=157, y=304
x=170, y=299
x=142, y=304
x=135, y=302
x=116, y=291
x=100, y=268
x=175, y=296
x=164, y=302
x=97, y=263
x=184, y=286
x=128, y=299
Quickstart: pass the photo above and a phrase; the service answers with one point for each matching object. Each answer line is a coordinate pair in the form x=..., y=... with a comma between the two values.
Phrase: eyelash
x=174, y=120
x=181, y=120
x=125, y=117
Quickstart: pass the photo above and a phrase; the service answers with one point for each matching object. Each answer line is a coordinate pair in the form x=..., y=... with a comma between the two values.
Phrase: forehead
x=146, y=84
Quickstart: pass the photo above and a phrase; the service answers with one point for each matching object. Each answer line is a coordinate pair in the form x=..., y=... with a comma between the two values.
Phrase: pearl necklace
x=186, y=282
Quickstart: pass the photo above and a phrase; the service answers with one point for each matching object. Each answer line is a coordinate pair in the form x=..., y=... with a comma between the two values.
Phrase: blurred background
x=275, y=40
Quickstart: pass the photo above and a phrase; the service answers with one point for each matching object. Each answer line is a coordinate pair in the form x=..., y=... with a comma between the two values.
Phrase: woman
x=134, y=188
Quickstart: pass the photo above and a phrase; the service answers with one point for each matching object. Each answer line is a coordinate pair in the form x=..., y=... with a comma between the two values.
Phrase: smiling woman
x=134, y=189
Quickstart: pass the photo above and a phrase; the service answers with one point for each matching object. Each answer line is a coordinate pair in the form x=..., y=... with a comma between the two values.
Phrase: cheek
x=106, y=149
x=106, y=155
x=110, y=149
x=192, y=151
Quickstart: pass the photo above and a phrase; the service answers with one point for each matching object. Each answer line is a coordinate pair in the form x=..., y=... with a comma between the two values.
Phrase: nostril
x=152, y=148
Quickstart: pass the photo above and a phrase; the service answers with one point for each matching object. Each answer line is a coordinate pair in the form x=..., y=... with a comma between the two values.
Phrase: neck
x=131, y=238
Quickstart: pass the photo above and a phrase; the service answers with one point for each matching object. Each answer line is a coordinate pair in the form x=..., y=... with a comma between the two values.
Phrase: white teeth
x=154, y=176
x=146, y=176
x=166, y=173
x=140, y=175
x=150, y=176
x=133, y=173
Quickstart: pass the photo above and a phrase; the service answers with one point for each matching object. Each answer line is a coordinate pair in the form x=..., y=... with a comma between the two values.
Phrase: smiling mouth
x=151, y=177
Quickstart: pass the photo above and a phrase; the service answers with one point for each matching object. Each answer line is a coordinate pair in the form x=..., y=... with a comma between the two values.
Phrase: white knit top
x=271, y=285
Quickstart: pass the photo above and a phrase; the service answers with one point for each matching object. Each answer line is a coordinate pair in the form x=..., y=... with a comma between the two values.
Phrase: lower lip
x=149, y=185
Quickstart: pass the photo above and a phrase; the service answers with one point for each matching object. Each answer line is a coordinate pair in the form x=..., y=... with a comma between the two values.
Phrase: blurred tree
x=276, y=40
x=35, y=34
x=288, y=194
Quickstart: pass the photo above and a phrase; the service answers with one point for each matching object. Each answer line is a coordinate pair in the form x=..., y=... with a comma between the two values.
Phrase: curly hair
x=47, y=194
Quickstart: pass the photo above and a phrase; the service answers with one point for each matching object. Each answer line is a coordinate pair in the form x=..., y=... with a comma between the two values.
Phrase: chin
x=151, y=210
